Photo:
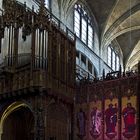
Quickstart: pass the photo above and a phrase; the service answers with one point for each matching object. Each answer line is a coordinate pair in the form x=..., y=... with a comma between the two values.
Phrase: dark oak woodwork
x=46, y=75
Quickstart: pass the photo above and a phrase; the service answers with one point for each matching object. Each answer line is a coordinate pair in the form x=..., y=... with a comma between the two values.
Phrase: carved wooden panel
x=119, y=106
x=57, y=121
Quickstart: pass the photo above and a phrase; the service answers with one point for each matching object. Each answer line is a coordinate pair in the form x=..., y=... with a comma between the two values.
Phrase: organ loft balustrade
x=37, y=50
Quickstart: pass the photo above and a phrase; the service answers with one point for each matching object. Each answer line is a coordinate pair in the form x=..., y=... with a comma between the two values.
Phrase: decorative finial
x=42, y=7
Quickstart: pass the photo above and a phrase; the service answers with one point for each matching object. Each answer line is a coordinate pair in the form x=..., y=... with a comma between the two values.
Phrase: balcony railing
x=83, y=74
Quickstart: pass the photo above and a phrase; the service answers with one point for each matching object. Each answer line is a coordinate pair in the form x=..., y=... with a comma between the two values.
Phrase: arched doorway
x=18, y=125
x=57, y=123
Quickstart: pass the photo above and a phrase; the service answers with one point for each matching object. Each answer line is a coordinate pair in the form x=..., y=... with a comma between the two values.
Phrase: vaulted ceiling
x=119, y=20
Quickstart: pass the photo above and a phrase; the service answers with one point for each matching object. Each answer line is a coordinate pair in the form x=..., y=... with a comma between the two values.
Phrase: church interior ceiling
x=119, y=20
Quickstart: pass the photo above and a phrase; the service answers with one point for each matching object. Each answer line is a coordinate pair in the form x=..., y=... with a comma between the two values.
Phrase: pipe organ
x=35, y=40
x=38, y=84
x=37, y=67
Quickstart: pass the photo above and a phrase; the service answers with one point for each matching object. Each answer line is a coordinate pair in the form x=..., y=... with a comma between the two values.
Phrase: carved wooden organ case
x=37, y=50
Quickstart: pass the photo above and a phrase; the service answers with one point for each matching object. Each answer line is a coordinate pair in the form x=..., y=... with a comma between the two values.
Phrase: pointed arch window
x=113, y=58
x=83, y=26
x=109, y=56
x=77, y=23
x=84, y=30
x=90, y=36
x=117, y=62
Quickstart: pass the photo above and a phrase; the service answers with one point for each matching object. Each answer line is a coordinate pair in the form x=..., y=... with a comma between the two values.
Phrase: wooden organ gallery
x=37, y=75
x=39, y=97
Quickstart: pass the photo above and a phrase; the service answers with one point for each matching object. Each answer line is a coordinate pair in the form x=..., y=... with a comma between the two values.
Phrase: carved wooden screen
x=63, y=58
x=57, y=121
x=71, y=63
x=112, y=110
x=54, y=53
x=129, y=117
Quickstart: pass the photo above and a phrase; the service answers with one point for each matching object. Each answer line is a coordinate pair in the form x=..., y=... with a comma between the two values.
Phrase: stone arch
x=117, y=23
x=16, y=109
x=116, y=48
x=111, y=38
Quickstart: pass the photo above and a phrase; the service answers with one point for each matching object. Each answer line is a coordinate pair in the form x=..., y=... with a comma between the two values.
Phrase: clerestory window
x=83, y=26
x=113, y=58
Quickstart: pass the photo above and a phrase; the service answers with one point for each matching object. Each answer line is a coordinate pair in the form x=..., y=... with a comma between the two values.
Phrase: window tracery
x=113, y=59
x=83, y=26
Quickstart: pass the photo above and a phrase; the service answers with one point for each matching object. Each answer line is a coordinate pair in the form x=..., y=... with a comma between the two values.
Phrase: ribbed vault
x=119, y=20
